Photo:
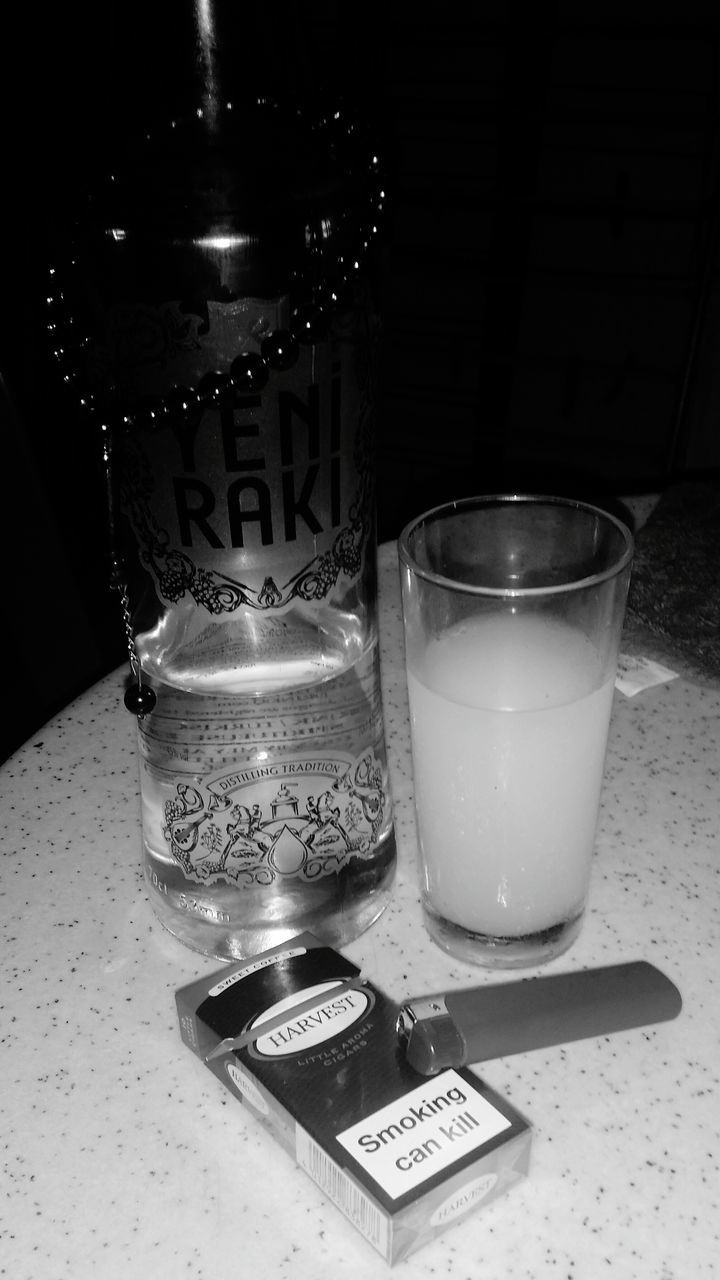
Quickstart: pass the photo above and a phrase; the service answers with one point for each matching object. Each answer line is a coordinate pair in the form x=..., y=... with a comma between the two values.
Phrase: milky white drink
x=509, y=726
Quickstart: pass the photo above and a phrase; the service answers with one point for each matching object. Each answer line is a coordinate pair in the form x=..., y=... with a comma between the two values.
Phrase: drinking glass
x=513, y=608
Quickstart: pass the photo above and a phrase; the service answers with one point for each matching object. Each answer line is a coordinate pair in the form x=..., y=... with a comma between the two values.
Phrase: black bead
x=343, y=295
x=179, y=401
x=215, y=386
x=280, y=349
x=149, y=414
x=249, y=372
x=309, y=323
x=140, y=699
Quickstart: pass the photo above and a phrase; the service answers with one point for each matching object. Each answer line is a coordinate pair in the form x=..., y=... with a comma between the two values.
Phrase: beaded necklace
x=323, y=283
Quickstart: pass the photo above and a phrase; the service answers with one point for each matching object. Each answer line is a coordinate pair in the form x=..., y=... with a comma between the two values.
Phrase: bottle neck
x=173, y=57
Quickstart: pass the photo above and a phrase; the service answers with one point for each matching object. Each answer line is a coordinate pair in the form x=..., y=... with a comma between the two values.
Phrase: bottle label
x=265, y=500
x=300, y=818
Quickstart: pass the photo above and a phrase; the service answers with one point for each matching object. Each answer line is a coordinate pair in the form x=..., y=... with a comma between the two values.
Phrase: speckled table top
x=123, y=1157
x=674, y=601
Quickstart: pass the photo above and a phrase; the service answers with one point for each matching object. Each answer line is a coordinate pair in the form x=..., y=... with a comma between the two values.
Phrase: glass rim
x=501, y=499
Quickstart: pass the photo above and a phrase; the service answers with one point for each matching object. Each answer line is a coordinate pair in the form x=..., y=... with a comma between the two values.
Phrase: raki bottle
x=223, y=328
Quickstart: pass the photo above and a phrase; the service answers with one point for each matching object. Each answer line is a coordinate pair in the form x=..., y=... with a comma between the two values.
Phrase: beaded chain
x=248, y=372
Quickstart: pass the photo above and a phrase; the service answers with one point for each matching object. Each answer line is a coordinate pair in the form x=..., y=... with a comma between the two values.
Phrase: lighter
x=473, y=1025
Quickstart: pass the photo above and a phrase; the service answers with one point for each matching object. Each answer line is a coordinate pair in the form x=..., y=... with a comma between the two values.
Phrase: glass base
x=231, y=923
x=230, y=945
x=492, y=952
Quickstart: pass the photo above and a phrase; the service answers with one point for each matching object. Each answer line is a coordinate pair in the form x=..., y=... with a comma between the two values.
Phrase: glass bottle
x=218, y=303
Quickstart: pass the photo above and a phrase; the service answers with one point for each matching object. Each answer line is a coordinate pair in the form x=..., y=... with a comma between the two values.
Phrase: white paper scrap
x=635, y=674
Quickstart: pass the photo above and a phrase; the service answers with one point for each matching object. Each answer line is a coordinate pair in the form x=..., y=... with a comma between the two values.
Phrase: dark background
x=551, y=316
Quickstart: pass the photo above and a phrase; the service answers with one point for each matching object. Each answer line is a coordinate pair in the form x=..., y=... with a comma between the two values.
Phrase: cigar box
x=308, y=1044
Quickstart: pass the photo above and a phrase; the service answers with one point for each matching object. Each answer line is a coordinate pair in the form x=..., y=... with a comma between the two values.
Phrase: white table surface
x=122, y=1156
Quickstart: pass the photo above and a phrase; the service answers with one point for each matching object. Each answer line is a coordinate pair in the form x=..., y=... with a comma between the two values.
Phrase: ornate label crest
x=302, y=818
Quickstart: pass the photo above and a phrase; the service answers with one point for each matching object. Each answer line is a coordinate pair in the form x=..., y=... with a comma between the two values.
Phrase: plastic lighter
x=460, y=1027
